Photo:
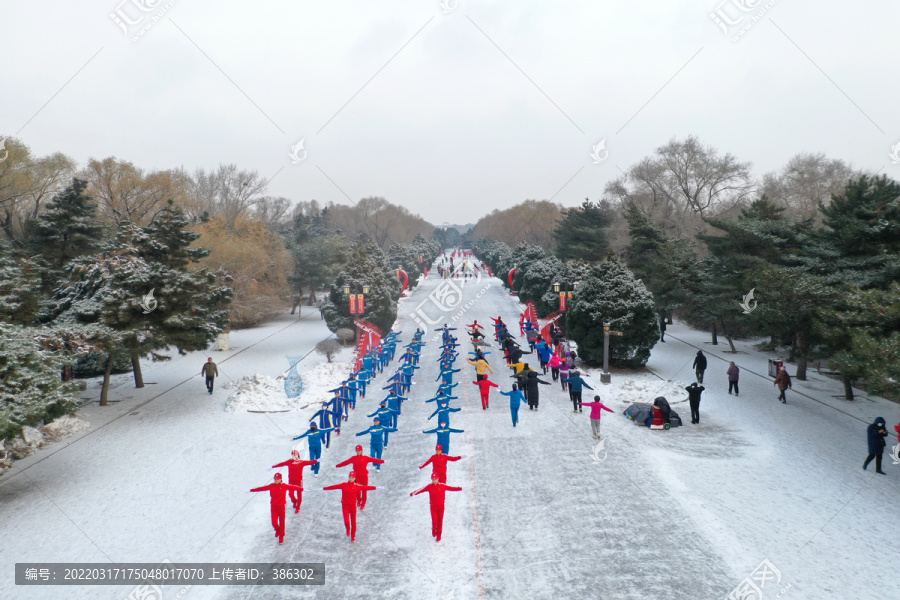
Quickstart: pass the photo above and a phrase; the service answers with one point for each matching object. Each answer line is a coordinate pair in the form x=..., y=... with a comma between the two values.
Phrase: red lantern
x=352, y=304
x=362, y=303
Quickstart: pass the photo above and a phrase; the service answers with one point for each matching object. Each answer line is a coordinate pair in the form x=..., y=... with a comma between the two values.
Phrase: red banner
x=352, y=304
x=562, y=301
x=360, y=304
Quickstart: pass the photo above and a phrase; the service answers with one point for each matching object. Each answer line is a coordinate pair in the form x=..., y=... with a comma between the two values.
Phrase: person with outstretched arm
x=481, y=368
x=436, y=491
x=516, y=398
x=485, y=386
x=360, y=464
x=314, y=437
x=327, y=419
x=350, y=491
x=443, y=411
x=385, y=415
x=576, y=383
x=278, y=492
x=597, y=409
x=376, y=439
x=443, y=432
x=438, y=462
x=295, y=476
x=447, y=375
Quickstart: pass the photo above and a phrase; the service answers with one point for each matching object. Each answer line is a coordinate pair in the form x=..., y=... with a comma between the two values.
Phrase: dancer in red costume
x=438, y=462
x=436, y=490
x=349, y=497
x=295, y=476
x=360, y=464
x=485, y=385
x=278, y=499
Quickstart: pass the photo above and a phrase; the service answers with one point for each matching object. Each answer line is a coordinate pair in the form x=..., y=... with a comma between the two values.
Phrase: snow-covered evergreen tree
x=31, y=390
x=611, y=294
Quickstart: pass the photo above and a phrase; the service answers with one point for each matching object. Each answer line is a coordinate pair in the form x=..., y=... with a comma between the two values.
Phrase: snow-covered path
x=680, y=514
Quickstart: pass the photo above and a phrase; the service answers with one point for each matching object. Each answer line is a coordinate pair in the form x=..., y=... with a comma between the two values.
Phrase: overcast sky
x=450, y=114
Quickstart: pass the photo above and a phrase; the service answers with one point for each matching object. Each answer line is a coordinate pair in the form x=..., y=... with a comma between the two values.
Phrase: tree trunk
x=715, y=338
x=728, y=337
x=848, y=389
x=136, y=367
x=801, y=356
x=104, y=391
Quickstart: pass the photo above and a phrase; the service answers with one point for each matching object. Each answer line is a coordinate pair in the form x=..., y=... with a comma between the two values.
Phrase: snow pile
x=628, y=388
x=258, y=393
x=64, y=426
x=321, y=378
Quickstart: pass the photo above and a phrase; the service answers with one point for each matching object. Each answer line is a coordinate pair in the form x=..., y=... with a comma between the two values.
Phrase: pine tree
x=367, y=265
x=581, y=233
x=68, y=228
x=611, y=294
x=19, y=288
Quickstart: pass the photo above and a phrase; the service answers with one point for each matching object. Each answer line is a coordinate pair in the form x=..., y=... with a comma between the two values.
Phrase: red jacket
x=360, y=466
x=278, y=492
x=485, y=385
x=437, y=492
x=440, y=462
x=349, y=491
x=295, y=469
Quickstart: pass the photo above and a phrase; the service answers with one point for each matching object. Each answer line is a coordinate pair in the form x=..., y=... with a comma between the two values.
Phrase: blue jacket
x=443, y=434
x=875, y=438
x=442, y=398
x=576, y=382
x=516, y=397
x=314, y=436
x=326, y=417
x=377, y=434
x=395, y=402
x=544, y=351
x=384, y=414
x=443, y=413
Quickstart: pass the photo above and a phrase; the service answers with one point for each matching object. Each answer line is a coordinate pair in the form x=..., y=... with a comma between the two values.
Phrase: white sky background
x=450, y=128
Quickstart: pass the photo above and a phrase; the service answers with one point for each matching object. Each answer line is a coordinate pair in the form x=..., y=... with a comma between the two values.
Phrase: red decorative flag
x=362, y=304
x=352, y=304
x=562, y=301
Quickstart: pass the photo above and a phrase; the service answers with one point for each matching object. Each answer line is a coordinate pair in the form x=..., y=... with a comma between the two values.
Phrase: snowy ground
x=681, y=514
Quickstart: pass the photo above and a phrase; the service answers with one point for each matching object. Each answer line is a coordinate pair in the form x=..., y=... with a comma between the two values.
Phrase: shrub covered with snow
x=31, y=390
x=611, y=294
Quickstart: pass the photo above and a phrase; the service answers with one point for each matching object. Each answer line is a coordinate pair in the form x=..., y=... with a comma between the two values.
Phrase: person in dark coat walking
x=531, y=383
x=700, y=365
x=734, y=373
x=876, y=434
x=783, y=381
x=210, y=370
x=694, y=392
x=576, y=383
x=662, y=329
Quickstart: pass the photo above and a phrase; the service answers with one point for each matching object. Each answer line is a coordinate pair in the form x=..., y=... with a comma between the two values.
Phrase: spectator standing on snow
x=694, y=392
x=662, y=329
x=597, y=409
x=875, y=435
x=734, y=374
x=211, y=371
x=700, y=365
x=783, y=381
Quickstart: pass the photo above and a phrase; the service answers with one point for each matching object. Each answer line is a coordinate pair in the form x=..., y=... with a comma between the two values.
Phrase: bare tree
x=227, y=192
x=126, y=193
x=273, y=212
x=806, y=181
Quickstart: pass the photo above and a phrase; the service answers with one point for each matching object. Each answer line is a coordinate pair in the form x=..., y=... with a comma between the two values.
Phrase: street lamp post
x=564, y=299
x=605, y=377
